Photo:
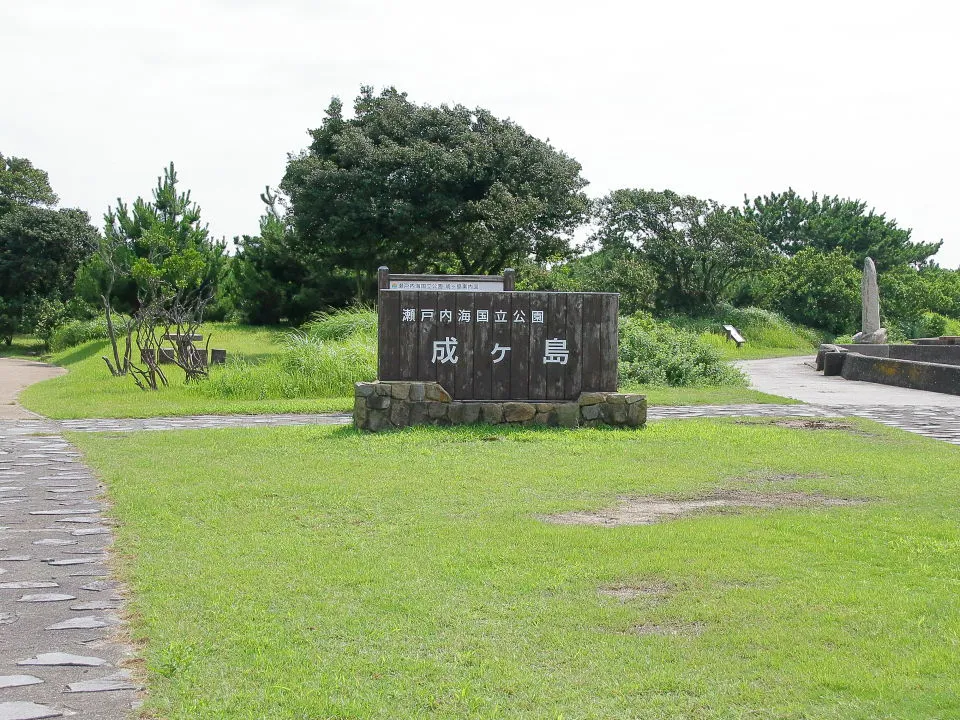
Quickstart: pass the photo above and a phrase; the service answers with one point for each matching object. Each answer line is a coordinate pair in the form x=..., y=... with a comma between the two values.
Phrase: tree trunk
x=111, y=331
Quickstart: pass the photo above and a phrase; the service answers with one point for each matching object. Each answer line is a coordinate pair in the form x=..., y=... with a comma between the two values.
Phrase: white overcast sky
x=717, y=98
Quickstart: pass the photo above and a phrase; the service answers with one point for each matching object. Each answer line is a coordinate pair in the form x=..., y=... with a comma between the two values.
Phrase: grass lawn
x=708, y=395
x=89, y=390
x=22, y=346
x=757, y=349
x=318, y=573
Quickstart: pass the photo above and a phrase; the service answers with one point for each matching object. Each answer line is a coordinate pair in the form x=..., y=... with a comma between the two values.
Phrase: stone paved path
x=942, y=423
x=62, y=647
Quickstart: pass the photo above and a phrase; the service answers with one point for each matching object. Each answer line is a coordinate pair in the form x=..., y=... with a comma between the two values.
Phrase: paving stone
x=7, y=618
x=55, y=541
x=78, y=520
x=15, y=558
x=26, y=711
x=104, y=685
x=98, y=586
x=28, y=585
x=79, y=623
x=66, y=511
x=91, y=531
x=9, y=681
x=59, y=658
x=96, y=605
x=73, y=561
x=47, y=597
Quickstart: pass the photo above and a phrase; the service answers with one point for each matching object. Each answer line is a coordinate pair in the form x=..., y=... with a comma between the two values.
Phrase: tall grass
x=324, y=359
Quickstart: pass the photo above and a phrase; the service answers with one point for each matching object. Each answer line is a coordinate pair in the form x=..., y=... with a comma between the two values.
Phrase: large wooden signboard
x=500, y=345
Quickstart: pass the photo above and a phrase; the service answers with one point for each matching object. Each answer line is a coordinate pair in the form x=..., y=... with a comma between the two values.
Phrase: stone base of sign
x=387, y=405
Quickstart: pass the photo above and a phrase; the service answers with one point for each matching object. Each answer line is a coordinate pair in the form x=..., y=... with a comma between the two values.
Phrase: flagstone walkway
x=62, y=646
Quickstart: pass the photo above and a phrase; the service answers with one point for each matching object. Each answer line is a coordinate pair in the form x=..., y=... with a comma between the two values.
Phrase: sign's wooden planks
x=500, y=345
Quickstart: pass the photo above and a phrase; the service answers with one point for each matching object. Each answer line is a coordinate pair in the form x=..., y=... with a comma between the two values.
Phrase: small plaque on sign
x=448, y=285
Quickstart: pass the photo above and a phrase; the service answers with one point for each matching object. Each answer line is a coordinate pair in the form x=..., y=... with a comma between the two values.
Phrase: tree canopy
x=40, y=247
x=424, y=188
x=792, y=223
x=23, y=184
x=697, y=248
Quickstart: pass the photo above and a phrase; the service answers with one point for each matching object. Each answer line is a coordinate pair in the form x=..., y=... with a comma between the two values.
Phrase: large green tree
x=152, y=251
x=792, y=223
x=273, y=282
x=423, y=188
x=40, y=247
x=23, y=184
x=697, y=248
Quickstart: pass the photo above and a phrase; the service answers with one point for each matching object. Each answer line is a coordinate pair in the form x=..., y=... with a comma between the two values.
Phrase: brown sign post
x=488, y=345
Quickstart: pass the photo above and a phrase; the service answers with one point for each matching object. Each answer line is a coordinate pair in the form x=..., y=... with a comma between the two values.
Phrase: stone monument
x=871, y=332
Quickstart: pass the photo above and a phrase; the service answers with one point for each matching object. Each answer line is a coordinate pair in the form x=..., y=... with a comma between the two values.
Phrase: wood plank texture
x=584, y=324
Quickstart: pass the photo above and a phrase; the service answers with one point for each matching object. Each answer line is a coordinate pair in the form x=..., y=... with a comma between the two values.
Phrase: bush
x=75, y=332
x=761, y=328
x=820, y=290
x=655, y=353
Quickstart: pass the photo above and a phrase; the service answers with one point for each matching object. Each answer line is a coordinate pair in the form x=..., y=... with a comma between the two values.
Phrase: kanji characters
x=445, y=351
x=556, y=352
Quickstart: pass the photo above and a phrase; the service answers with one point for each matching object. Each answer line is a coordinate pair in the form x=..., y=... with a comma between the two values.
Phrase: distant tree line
x=450, y=189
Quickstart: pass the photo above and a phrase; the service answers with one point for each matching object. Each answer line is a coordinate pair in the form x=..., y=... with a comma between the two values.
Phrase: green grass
x=705, y=395
x=754, y=349
x=318, y=573
x=88, y=390
x=22, y=346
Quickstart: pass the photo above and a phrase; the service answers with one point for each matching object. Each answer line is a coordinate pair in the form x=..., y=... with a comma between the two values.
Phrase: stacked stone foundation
x=380, y=406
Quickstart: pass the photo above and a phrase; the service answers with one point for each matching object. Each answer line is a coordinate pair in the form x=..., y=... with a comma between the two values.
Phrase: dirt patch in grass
x=650, y=510
x=763, y=476
x=647, y=590
x=669, y=629
x=813, y=425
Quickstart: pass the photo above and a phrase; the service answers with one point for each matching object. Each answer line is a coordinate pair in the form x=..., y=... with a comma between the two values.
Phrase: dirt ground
x=15, y=375
x=649, y=510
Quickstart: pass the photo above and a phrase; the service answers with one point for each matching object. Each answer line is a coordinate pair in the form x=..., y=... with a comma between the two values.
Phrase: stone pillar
x=871, y=332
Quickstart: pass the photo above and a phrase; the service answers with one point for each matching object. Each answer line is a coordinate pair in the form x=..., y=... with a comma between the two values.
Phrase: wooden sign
x=500, y=345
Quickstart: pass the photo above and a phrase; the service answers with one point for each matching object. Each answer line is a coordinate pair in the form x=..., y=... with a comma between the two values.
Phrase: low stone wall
x=387, y=405
x=943, y=354
x=935, y=377
x=930, y=376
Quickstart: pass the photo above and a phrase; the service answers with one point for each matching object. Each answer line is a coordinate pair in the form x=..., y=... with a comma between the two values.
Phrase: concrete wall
x=943, y=354
x=934, y=377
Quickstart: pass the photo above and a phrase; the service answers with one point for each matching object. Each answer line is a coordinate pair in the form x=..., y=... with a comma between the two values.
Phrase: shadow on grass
x=83, y=352
x=478, y=433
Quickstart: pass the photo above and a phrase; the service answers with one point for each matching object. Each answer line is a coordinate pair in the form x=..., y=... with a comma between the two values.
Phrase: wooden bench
x=734, y=334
